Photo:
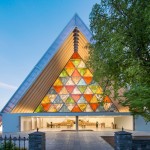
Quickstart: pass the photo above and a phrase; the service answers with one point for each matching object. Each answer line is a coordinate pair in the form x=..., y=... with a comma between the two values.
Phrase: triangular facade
x=75, y=91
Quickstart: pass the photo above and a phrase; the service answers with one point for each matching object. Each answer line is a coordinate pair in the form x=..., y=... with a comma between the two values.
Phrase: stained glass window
x=75, y=91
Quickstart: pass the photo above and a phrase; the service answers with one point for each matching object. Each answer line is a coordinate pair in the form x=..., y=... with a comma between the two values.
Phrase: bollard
x=123, y=140
x=37, y=141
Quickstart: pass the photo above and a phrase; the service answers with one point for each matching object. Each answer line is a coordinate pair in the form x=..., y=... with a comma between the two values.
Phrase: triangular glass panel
x=88, y=80
x=70, y=106
x=88, y=73
x=45, y=107
x=81, y=71
x=70, y=88
x=88, y=108
x=107, y=99
x=82, y=82
x=64, y=91
x=94, y=106
x=69, y=65
x=76, y=91
x=52, y=109
x=64, y=97
x=88, y=97
x=82, y=100
x=46, y=99
x=58, y=82
x=81, y=65
x=64, y=108
x=113, y=108
x=88, y=91
x=99, y=90
x=64, y=80
x=94, y=100
x=75, y=56
x=82, y=106
x=82, y=88
x=58, y=106
x=58, y=100
x=76, y=74
x=76, y=109
x=52, y=97
x=94, y=88
x=70, y=82
x=76, y=79
x=69, y=100
x=57, y=88
x=64, y=74
x=52, y=91
x=100, y=109
x=39, y=109
x=76, y=97
x=107, y=106
x=70, y=71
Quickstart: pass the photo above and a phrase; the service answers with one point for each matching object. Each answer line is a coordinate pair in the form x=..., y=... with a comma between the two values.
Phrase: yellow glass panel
x=94, y=99
x=46, y=100
x=58, y=82
x=70, y=71
x=99, y=90
x=88, y=73
x=63, y=91
x=82, y=106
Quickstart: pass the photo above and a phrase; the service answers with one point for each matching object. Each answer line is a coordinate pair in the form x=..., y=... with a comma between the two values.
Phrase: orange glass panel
x=88, y=97
x=88, y=80
x=76, y=97
x=69, y=65
x=76, y=74
x=107, y=100
x=94, y=106
x=70, y=88
x=76, y=109
x=75, y=56
x=57, y=88
x=46, y=106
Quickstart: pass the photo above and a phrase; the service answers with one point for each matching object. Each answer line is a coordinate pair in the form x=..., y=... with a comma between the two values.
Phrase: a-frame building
x=61, y=84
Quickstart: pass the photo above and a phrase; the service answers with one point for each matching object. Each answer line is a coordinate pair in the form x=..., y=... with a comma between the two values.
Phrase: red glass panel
x=76, y=74
x=70, y=88
x=75, y=56
x=76, y=97
x=107, y=100
x=58, y=88
x=94, y=106
x=69, y=65
x=46, y=106
x=88, y=97
x=87, y=79
x=76, y=109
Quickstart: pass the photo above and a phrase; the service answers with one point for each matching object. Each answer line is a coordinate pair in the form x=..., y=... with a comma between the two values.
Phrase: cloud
x=7, y=86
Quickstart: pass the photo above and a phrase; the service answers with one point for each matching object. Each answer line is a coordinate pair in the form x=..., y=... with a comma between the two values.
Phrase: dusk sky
x=27, y=29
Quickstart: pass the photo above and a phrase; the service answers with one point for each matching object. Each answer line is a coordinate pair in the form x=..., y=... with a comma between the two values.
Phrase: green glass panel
x=70, y=100
x=82, y=88
x=94, y=88
x=63, y=74
x=82, y=71
x=39, y=109
x=76, y=62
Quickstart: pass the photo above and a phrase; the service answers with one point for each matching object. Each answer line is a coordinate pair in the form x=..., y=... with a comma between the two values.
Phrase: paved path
x=75, y=141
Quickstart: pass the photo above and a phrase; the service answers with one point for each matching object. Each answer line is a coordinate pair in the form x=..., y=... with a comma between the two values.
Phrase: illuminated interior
x=75, y=91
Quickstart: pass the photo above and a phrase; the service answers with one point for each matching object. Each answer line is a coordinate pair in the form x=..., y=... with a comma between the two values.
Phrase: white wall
x=124, y=121
x=140, y=124
x=10, y=123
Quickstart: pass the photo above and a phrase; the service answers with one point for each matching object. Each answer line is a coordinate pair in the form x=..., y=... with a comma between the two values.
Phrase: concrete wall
x=140, y=124
x=124, y=121
x=11, y=123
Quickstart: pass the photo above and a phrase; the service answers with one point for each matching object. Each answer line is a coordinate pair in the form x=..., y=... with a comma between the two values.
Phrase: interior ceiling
x=29, y=102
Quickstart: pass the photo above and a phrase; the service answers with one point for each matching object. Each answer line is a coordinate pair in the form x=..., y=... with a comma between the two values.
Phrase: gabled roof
x=45, y=60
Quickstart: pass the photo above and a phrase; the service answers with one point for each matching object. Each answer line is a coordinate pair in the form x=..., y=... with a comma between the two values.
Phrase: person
x=96, y=124
x=51, y=124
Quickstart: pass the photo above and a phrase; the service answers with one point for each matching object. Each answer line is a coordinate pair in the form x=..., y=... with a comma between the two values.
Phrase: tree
x=120, y=53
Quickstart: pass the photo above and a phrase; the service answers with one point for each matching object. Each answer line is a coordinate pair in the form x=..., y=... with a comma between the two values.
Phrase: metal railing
x=13, y=143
